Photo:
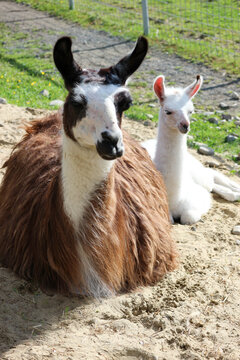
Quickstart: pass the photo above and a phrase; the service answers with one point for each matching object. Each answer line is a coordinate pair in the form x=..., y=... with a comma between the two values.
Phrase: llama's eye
x=122, y=101
x=125, y=105
x=168, y=112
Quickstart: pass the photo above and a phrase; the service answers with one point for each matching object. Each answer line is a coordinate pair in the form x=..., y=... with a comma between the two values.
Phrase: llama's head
x=176, y=103
x=97, y=99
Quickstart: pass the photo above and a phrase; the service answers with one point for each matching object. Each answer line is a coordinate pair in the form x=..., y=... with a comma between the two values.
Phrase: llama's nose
x=108, y=136
x=184, y=127
x=111, y=146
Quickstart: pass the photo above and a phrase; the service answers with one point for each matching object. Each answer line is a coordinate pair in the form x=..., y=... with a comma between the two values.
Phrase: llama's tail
x=226, y=188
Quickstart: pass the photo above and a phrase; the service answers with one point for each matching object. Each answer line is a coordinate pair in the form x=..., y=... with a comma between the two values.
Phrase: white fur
x=82, y=167
x=82, y=171
x=188, y=182
x=101, y=112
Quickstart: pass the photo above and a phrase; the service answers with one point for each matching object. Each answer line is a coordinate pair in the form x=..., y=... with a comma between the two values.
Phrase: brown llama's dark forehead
x=102, y=76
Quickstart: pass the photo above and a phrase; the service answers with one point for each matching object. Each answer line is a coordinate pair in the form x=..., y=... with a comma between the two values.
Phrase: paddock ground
x=192, y=314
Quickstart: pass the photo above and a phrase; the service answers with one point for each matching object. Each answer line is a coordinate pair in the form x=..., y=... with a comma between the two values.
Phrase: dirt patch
x=192, y=314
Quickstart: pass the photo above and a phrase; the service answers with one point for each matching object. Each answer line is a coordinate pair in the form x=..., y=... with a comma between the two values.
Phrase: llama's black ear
x=66, y=65
x=130, y=63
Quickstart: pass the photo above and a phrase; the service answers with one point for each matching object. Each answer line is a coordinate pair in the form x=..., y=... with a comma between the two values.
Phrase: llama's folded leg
x=223, y=180
x=226, y=193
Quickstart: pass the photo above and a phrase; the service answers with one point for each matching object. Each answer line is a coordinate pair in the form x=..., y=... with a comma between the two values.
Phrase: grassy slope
x=26, y=68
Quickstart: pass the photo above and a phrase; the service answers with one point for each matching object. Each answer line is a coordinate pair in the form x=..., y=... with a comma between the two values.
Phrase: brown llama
x=75, y=215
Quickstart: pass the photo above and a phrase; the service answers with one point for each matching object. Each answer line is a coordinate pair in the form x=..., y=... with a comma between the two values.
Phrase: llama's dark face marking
x=97, y=99
x=73, y=111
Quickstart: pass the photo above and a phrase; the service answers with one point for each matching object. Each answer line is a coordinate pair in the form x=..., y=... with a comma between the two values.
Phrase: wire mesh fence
x=207, y=30
x=212, y=25
x=209, y=26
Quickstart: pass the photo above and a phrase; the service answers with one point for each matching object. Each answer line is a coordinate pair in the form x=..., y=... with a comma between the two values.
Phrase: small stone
x=196, y=143
x=31, y=110
x=212, y=163
x=193, y=120
x=236, y=157
x=227, y=117
x=237, y=123
x=150, y=116
x=205, y=150
x=223, y=121
x=3, y=101
x=44, y=93
x=223, y=106
x=237, y=242
x=147, y=123
x=236, y=230
x=213, y=120
x=56, y=103
x=234, y=96
x=230, y=138
x=208, y=113
x=236, y=118
x=152, y=105
x=190, y=137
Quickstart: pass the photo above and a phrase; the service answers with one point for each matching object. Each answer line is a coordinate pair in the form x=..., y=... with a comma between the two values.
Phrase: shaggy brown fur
x=125, y=230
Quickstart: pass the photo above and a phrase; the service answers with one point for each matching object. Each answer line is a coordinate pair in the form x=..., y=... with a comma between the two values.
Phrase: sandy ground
x=194, y=313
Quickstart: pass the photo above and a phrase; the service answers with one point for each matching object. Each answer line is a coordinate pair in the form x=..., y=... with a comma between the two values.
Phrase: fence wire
x=210, y=28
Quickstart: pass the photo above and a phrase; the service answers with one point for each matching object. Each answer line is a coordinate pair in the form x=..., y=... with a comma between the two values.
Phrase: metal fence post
x=71, y=4
x=145, y=17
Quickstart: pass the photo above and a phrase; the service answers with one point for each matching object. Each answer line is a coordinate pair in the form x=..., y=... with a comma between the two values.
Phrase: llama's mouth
x=108, y=151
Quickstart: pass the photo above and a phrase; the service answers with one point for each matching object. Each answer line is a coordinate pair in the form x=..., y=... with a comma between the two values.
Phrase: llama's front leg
x=190, y=217
x=196, y=203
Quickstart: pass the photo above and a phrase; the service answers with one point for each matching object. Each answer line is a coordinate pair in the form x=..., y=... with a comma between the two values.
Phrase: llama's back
x=150, y=145
x=30, y=192
x=144, y=199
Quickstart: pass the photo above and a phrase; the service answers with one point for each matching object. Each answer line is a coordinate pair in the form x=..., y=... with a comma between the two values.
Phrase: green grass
x=196, y=30
x=26, y=68
x=214, y=135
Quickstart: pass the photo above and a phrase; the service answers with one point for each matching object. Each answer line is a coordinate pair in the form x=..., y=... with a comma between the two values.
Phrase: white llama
x=188, y=182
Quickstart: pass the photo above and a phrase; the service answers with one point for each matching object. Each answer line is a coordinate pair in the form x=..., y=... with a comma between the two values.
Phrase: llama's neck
x=170, y=156
x=82, y=171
